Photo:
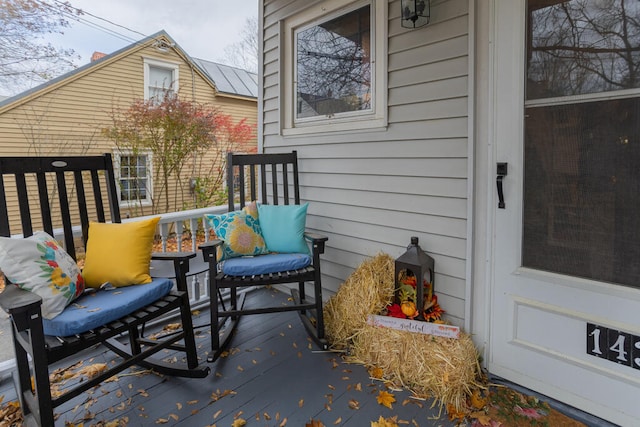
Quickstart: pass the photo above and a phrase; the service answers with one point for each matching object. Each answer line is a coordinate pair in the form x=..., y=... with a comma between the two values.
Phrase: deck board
x=274, y=375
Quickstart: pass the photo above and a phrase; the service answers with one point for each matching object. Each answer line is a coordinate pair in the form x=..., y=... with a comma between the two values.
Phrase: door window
x=582, y=139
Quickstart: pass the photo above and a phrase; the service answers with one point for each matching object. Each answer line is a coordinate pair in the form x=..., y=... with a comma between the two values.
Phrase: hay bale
x=366, y=291
x=443, y=368
x=429, y=366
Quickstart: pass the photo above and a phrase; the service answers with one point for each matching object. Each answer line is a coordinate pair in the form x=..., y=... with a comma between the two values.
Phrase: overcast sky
x=203, y=28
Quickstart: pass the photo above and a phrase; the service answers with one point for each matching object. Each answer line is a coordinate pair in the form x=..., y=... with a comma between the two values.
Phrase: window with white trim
x=334, y=73
x=133, y=171
x=160, y=79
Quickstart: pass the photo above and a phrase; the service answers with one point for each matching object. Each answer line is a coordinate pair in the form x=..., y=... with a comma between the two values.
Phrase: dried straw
x=366, y=291
x=444, y=368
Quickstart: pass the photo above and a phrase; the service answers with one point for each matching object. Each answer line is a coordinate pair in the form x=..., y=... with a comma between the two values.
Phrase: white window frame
x=376, y=117
x=147, y=201
x=173, y=66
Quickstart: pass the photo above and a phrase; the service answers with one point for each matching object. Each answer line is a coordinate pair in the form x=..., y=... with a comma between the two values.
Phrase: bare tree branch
x=26, y=58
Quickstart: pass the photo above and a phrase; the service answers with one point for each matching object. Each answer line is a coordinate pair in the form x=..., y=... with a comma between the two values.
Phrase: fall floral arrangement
x=405, y=305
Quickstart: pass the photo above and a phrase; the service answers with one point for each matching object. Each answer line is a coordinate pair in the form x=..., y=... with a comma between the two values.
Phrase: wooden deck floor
x=273, y=376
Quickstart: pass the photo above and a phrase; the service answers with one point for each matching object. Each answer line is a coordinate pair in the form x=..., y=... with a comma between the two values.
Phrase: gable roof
x=227, y=80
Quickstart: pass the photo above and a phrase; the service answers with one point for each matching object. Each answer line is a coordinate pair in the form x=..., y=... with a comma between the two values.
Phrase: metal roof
x=230, y=80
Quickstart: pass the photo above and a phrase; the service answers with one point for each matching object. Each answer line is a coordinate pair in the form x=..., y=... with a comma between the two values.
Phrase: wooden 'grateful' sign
x=417, y=326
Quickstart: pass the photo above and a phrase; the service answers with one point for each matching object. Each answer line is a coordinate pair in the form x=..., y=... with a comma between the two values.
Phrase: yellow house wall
x=67, y=117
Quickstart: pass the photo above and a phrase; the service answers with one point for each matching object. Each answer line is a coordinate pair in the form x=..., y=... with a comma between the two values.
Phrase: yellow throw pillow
x=119, y=253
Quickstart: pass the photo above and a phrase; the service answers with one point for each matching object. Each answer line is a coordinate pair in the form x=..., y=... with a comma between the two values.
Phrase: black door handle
x=501, y=171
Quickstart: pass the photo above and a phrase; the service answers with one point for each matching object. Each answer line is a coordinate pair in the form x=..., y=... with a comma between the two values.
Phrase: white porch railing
x=171, y=225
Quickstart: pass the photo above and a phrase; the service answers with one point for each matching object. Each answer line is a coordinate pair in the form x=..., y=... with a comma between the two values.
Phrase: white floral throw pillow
x=38, y=264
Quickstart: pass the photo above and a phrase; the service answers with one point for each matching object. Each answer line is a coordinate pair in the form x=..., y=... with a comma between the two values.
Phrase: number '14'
x=617, y=346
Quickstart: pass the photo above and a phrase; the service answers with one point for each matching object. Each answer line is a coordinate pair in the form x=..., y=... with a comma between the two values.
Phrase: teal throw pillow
x=240, y=232
x=283, y=227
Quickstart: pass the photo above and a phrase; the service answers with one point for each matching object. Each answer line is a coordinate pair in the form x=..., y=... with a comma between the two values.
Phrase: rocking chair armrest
x=317, y=241
x=14, y=300
x=169, y=256
x=210, y=247
x=180, y=265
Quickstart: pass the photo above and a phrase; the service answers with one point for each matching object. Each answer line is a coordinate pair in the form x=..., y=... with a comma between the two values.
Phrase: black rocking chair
x=52, y=189
x=277, y=176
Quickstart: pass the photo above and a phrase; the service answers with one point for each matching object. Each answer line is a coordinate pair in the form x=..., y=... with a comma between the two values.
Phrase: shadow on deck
x=273, y=376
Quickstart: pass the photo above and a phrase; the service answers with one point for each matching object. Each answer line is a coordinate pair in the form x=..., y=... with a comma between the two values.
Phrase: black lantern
x=414, y=279
x=415, y=13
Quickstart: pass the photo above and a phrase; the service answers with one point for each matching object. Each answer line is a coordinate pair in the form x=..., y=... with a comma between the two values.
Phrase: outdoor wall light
x=415, y=13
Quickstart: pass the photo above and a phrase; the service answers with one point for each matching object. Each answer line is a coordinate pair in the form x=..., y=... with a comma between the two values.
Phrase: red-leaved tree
x=188, y=143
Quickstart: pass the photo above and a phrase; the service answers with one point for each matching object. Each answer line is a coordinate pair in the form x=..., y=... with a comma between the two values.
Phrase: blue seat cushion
x=264, y=264
x=103, y=306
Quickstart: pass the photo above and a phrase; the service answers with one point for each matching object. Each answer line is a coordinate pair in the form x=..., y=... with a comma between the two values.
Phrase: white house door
x=565, y=295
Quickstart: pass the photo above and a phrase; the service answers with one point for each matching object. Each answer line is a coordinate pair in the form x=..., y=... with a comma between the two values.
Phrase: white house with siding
x=400, y=132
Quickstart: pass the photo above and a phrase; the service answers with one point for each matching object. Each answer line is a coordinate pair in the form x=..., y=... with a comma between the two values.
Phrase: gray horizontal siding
x=370, y=191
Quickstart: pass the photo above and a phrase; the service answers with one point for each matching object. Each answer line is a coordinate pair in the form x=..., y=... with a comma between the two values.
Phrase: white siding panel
x=442, y=206
x=443, y=187
x=425, y=167
x=330, y=147
x=438, y=90
x=456, y=107
x=371, y=190
x=448, y=49
x=429, y=72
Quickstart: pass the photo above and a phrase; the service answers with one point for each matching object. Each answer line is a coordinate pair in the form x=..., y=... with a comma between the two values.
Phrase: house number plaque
x=617, y=346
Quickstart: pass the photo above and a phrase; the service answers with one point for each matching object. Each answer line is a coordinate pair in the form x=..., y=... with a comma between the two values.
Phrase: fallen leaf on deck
x=482, y=418
x=121, y=422
x=477, y=401
x=314, y=423
x=283, y=423
x=92, y=370
x=162, y=421
x=354, y=404
x=384, y=422
x=217, y=414
x=376, y=373
x=217, y=395
x=386, y=399
x=300, y=403
x=454, y=414
x=239, y=423
x=338, y=421
x=10, y=413
x=172, y=327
